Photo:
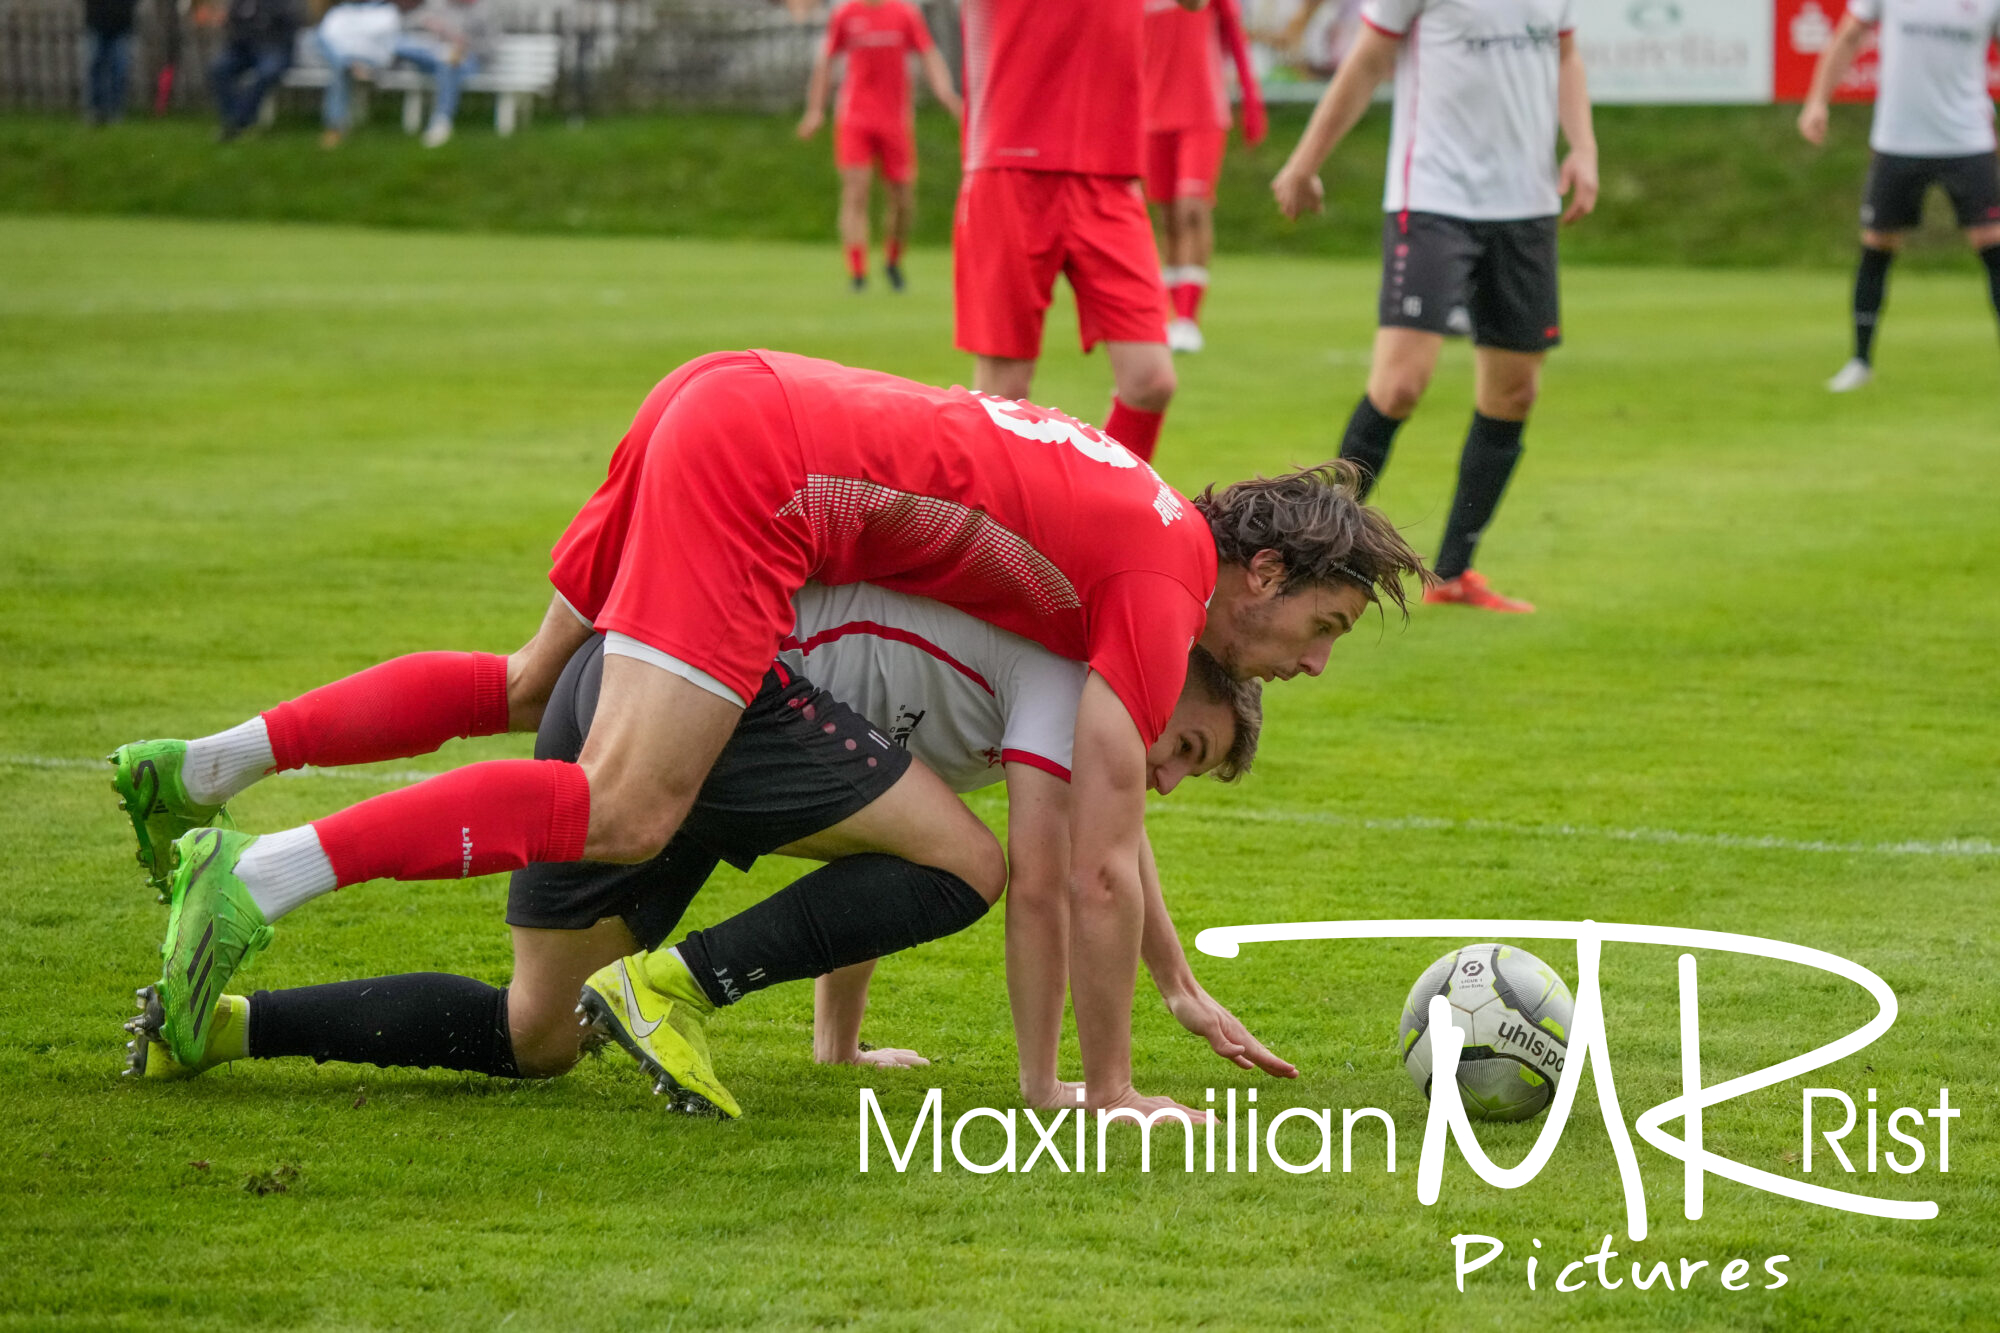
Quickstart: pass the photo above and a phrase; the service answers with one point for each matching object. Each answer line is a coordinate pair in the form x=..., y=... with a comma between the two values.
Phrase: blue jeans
x=333, y=107
x=110, y=63
x=242, y=76
x=450, y=78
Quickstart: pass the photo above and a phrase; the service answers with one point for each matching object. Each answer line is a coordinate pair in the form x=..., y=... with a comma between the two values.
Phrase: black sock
x=1871, y=281
x=1492, y=447
x=1369, y=435
x=1990, y=256
x=846, y=912
x=417, y=1020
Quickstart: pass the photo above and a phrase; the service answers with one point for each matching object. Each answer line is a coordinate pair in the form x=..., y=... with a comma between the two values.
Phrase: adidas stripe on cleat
x=214, y=929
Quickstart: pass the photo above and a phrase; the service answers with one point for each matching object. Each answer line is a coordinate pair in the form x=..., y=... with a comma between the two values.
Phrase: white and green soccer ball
x=1515, y=1011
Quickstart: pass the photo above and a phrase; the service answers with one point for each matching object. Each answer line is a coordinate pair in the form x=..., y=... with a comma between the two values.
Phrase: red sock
x=1136, y=430
x=1196, y=290
x=857, y=260
x=477, y=820
x=892, y=251
x=1185, y=297
x=404, y=707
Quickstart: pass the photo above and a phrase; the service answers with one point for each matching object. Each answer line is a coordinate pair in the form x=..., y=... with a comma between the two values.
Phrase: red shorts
x=1183, y=164
x=1017, y=229
x=895, y=151
x=681, y=547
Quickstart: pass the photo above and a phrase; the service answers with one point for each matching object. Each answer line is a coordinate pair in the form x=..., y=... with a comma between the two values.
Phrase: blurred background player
x=1187, y=122
x=1054, y=144
x=1933, y=124
x=1469, y=233
x=873, y=127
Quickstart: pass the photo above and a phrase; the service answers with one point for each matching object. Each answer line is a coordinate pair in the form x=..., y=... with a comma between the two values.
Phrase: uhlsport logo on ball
x=1516, y=1012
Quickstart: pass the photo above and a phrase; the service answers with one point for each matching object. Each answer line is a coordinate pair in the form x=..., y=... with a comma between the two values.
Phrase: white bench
x=524, y=67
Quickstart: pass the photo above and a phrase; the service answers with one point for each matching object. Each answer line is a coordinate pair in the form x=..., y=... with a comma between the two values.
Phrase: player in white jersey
x=1933, y=125
x=1469, y=236
x=809, y=775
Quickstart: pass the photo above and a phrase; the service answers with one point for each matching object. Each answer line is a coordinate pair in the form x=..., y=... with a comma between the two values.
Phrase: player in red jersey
x=1054, y=144
x=872, y=127
x=1187, y=122
x=744, y=475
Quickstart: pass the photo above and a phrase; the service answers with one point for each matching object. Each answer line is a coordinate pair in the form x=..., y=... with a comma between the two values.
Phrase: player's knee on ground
x=547, y=1038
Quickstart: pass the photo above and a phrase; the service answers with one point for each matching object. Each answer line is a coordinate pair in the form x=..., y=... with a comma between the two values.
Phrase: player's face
x=1197, y=738
x=1290, y=634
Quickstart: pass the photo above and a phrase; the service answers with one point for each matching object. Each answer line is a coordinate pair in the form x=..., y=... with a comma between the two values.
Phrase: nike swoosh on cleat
x=635, y=1018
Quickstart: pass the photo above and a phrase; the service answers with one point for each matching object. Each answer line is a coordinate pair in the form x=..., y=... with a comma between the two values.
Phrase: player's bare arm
x=938, y=75
x=1191, y=1005
x=817, y=85
x=1038, y=940
x=1373, y=59
x=840, y=1002
x=1578, y=180
x=1831, y=67
x=1107, y=902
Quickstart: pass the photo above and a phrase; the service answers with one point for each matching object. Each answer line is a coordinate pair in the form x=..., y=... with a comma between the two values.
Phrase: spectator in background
x=109, y=23
x=357, y=41
x=448, y=40
x=256, y=51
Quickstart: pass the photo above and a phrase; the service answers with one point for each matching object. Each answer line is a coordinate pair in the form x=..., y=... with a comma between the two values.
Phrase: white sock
x=219, y=766
x=1194, y=273
x=286, y=870
x=1170, y=276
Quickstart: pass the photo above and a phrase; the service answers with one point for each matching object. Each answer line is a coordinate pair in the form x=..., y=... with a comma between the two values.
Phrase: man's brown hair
x=1246, y=706
x=1315, y=521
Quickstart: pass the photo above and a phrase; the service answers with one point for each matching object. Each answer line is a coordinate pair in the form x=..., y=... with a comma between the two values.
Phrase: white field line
x=1736, y=841
x=1266, y=815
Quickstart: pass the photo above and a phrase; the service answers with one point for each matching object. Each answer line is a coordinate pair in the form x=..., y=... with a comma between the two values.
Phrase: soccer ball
x=1516, y=1013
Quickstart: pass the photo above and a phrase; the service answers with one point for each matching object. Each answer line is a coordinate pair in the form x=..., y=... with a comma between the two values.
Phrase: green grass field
x=240, y=460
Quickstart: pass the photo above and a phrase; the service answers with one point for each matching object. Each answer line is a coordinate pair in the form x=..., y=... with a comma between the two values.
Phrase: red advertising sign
x=1804, y=27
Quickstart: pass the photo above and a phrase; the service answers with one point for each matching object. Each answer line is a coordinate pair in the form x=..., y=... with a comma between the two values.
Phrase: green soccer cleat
x=147, y=1057
x=147, y=777
x=214, y=929
x=662, y=1032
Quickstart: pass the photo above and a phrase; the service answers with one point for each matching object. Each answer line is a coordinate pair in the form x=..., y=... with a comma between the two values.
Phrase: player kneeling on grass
x=969, y=700
x=745, y=476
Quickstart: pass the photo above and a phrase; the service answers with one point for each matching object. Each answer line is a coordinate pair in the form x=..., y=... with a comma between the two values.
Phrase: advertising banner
x=1803, y=29
x=1693, y=51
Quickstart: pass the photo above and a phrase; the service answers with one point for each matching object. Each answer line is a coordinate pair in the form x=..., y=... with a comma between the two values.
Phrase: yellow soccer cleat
x=663, y=1031
x=147, y=1056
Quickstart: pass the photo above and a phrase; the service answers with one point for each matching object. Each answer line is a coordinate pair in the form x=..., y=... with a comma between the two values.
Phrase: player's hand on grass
x=1298, y=192
x=1812, y=123
x=1579, y=182
x=1198, y=1012
x=1054, y=1095
x=890, y=1057
x=810, y=122
x=1132, y=1100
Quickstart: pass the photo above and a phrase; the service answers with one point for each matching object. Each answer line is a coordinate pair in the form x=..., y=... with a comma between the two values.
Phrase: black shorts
x=1896, y=187
x=799, y=762
x=1493, y=281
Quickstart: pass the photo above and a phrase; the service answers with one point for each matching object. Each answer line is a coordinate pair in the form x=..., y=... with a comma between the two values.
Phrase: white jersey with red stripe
x=1475, y=121
x=964, y=696
x=1931, y=98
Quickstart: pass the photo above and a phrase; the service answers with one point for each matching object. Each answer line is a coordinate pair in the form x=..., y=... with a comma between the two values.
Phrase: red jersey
x=1017, y=515
x=1186, y=88
x=1054, y=85
x=877, y=40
